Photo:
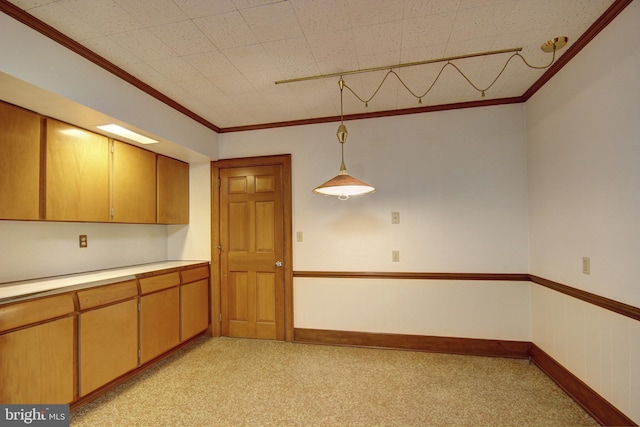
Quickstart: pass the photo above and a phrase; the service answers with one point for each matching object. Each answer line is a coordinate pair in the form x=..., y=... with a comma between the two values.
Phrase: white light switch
x=298, y=236
x=586, y=265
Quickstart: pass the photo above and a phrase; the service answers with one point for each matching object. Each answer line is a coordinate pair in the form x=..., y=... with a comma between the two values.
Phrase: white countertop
x=14, y=291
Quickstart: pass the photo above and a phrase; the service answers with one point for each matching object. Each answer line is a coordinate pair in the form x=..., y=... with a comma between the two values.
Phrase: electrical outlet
x=586, y=265
x=395, y=256
x=83, y=241
x=298, y=236
x=395, y=217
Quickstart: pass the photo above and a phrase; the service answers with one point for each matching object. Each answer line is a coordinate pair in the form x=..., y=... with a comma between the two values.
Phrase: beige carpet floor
x=236, y=382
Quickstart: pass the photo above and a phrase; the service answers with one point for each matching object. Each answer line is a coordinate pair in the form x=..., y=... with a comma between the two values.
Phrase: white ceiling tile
x=175, y=69
x=144, y=44
x=245, y=4
x=227, y=30
x=211, y=64
x=201, y=8
x=289, y=52
x=111, y=51
x=272, y=22
x=381, y=59
x=335, y=46
x=249, y=58
x=234, y=84
x=423, y=53
x=298, y=71
x=480, y=22
x=66, y=22
x=319, y=18
x=184, y=37
x=153, y=12
x=428, y=30
x=201, y=86
x=371, y=12
x=29, y=4
x=419, y=8
x=372, y=39
x=265, y=79
x=104, y=16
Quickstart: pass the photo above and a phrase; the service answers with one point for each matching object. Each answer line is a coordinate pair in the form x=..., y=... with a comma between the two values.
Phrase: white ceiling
x=220, y=59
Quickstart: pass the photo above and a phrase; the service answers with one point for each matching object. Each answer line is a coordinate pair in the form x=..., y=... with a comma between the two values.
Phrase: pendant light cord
x=447, y=64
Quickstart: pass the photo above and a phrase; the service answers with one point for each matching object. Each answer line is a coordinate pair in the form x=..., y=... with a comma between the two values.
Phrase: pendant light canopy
x=343, y=185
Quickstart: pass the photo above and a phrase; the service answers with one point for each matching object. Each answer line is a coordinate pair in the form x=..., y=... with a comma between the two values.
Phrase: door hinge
x=220, y=318
x=219, y=248
x=113, y=212
x=138, y=307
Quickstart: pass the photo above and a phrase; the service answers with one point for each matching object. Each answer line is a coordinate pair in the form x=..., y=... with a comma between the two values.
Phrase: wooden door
x=252, y=252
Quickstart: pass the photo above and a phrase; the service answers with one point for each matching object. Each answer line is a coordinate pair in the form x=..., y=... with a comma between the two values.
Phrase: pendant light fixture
x=343, y=185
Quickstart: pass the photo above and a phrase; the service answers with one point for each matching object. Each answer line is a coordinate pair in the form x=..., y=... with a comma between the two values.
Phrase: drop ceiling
x=218, y=60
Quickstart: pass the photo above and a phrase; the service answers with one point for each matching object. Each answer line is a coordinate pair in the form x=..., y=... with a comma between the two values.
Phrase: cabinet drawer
x=108, y=294
x=159, y=282
x=194, y=274
x=33, y=311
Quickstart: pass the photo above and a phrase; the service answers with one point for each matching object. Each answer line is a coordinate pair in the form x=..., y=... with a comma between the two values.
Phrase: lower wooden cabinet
x=194, y=308
x=159, y=323
x=108, y=339
x=64, y=348
x=37, y=351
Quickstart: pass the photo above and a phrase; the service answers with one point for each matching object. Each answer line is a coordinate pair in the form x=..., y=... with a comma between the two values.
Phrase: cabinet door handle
x=278, y=263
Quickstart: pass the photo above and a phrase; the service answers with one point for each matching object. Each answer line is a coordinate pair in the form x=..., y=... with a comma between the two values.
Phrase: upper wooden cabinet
x=19, y=163
x=173, y=191
x=134, y=184
x=51, y=170
x=77, y=174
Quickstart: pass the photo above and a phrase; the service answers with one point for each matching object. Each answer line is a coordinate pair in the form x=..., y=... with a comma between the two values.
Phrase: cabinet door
x=134, y=184
x=77, y=174
x=159, y=323
x=194, y=308
x=108, y=344
x=19, y=163
x=173, y=191
x=37, y=363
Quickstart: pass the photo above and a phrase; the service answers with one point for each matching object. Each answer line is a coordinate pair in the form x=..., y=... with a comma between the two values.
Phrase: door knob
x=278, y=263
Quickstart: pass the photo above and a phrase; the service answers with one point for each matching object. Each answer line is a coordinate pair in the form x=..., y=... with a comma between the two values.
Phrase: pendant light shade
x=343, y=185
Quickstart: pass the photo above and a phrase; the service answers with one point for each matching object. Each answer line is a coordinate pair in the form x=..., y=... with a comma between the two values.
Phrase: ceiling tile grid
x=221, y=58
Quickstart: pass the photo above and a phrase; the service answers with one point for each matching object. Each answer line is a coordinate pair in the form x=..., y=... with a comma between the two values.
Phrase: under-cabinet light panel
x=126, y=133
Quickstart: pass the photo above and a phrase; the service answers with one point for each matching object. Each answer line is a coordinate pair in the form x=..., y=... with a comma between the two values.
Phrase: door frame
x=283, y=160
